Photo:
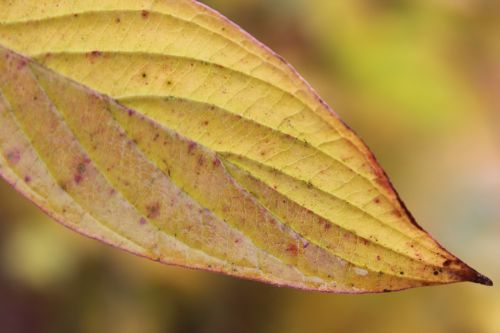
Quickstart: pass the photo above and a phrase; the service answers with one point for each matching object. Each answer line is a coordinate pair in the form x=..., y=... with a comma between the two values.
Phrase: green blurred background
x=419, y=80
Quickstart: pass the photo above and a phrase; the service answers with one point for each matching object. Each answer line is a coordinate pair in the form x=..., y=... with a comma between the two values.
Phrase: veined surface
x=223, y=159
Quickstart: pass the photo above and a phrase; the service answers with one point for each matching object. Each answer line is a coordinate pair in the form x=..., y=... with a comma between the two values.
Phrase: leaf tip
x=474, y=276
x=481, y=279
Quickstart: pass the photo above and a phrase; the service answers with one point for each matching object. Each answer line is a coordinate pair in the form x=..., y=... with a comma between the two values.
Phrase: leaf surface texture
x=163, y=129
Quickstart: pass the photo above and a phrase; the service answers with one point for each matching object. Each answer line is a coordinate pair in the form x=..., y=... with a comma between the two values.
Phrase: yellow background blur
x=419, y=80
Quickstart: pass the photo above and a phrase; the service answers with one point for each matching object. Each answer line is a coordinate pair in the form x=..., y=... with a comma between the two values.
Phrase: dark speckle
x=63, y=186
x=397, y=213
x=144, y=75
x=292, y=249
x=22, y=63
x=145, y=14
x=142, y=221
x=191, y=147
x=27, y=179
x=81, y=168
x=14, y=156
x=78, y=178
x=153, y=210
x=436, y=272
x=95, y=54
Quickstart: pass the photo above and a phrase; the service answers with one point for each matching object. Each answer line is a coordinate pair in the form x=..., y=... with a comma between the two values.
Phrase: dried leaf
x=161, y=128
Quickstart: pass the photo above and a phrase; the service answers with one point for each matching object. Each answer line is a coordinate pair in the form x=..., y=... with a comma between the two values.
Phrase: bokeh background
x=419, y=80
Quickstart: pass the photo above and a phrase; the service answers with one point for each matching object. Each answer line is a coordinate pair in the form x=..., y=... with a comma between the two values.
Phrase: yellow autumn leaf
x=163, y=129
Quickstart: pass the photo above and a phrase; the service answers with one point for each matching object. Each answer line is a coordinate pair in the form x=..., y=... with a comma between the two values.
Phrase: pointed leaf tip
x=482, y=279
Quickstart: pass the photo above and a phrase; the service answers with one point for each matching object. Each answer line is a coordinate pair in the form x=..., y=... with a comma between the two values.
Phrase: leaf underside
x=161, y=128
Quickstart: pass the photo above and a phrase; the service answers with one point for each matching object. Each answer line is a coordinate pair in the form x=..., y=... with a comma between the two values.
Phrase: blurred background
x=418, y=80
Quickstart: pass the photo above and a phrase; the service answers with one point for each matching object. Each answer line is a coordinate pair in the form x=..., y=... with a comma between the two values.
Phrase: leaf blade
x=280, y=129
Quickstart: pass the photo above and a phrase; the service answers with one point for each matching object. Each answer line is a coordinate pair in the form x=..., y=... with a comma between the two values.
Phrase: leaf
x=161, y=128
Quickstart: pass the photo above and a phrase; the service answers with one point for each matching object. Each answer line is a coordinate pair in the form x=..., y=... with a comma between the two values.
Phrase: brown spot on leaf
x=14, y=156
x=153, y=210
x=397, y=213
x=63, y=186
x=81, y=168
x=292, y=249
x=191, y=147
x=95, y=54
x=22, y=63
x=78, y=178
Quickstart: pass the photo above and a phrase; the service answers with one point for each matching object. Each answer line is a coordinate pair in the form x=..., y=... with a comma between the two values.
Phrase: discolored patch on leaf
x=190, y=143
